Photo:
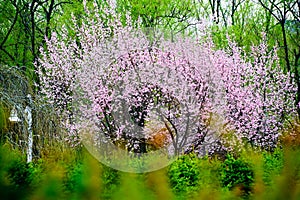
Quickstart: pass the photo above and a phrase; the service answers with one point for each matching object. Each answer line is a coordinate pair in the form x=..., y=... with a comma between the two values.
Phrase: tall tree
x=286, y=13
x=24, y=26
x=172, y=16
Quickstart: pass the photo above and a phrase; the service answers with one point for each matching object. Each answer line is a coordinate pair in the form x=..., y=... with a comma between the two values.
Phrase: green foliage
x=75, y=180
x=17, y=178
x=284, y=176
x=23, y=174
x=85, y=179
x=110, y=181
x=2, y=118
x=7, y=158
x=184, y=174
x=235, y=172
x=172, y=15
x=209, y=173
x=3, y=122
x=189, y=177
x=73, y=176
x=132, y=187
x=272, y=165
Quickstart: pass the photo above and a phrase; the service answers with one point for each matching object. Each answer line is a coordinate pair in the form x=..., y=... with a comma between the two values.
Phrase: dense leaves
x=237, y=173
x=81, y=176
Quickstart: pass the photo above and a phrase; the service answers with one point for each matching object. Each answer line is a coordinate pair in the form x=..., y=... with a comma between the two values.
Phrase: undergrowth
x=70, y=175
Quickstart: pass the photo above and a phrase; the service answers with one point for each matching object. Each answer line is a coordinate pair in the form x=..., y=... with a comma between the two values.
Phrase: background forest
x=245, y=53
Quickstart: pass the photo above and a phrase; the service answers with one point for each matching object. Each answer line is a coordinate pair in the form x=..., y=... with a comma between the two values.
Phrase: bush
x=17, y=178
x=73, y=177
x=236, y=173
x=25, y=177
x=82, y=178
x=110, y=181
x=184, y=174
x=21, y=174
x=272, y=165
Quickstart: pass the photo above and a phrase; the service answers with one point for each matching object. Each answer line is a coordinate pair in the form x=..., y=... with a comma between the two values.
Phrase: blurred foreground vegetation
x=65, y=173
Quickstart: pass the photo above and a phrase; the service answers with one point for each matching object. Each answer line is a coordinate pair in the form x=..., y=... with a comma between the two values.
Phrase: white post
x=28, y=118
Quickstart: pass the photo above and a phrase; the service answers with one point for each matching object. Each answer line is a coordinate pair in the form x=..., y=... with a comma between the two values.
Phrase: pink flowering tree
x=259, y=96
x=131, y=82
x=118, y=82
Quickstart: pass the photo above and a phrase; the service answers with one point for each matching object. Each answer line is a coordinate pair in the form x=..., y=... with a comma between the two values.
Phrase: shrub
x=20, y=174
x=184, y=174
x=83, y=179
x=17, y=178
x=73, y=177
x=110, y=181
x=272, y=165
x=236, y=173
x=6, y=161
x=25, y=175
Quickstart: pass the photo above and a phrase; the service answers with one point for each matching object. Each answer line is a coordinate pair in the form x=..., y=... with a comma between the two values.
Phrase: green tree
x=173, y=16
x=24, y=26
